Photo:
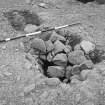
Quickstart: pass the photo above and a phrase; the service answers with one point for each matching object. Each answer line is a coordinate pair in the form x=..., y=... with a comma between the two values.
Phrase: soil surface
x=20, y=81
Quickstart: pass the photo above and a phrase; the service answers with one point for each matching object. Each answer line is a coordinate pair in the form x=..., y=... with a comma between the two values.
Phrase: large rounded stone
x=55, y=37
x=60, y=59
x=38, y=44
x=30, y=28
x=56, y=71
x=87, y=46
x=76, y=57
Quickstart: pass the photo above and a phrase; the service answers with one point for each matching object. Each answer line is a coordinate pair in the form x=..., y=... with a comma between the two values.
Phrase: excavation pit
x=61, y=56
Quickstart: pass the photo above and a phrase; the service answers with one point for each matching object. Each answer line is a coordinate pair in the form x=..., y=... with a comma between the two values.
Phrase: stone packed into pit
x=65, y=56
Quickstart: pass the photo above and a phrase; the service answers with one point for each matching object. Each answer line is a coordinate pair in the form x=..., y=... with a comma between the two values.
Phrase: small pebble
x=87, y=46
x=43, y=57
x=65, y=80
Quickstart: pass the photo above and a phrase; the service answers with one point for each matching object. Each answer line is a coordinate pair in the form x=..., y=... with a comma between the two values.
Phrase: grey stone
x=75, y=69
x=76, y=76
x=45, y=35
x=58, y=47
x=54, y=37
x=60, y=59
x=49, y=45
x=29, y=28
x=38, y=44
x=76, y=57
x=87, y=46
x=83, y=74
x=65, y=80
x=88, y=64
x=56, y=71
x=49, y=57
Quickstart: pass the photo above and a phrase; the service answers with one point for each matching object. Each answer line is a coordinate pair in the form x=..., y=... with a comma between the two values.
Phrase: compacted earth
x=57, y=67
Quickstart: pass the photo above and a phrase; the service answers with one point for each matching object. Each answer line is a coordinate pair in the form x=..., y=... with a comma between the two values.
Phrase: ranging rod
x=38, y=32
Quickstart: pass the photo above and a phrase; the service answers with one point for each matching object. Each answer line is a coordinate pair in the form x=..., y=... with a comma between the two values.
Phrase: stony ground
x=20, y=81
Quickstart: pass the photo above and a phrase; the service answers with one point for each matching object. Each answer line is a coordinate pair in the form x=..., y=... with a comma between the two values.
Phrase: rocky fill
x=59, y=54
x=65, y=55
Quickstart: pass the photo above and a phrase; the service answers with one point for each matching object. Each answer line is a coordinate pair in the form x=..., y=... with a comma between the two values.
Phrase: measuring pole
x=38, y=32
